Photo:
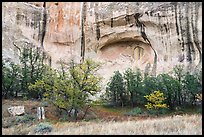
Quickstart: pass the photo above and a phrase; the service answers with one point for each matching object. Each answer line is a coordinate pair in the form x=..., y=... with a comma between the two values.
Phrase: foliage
x=17, y=77
x=199, y=110
x=158, y=111
x=25, y=119
x=180, y=87
x=150, y=84
x=133, y=84
x=43, y=128
x=71, y=88
x=10, y=79
x=32, y=69
x=178, y=73
x=155, y=100
x=192, y=87
x=170, y=87
x=134, y=112
x=116, y=89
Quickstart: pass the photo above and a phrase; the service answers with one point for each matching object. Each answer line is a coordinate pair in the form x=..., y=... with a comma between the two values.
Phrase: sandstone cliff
x=151, y=36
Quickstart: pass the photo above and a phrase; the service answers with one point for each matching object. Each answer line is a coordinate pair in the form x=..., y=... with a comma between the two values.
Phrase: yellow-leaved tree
x=71, y=88
x=155, y=101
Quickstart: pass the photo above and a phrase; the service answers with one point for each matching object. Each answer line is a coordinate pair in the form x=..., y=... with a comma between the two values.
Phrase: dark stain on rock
x=44, y=23
x=137, y=22
x=50, y=61
x=127, y=19
x=151, y=13
x=181, y=58
x=144, y=36
x=97, y=23
x=176, y=19
x=188, y=36
x=181, y=28
x=83, y=19
x=165, y=27
x=195, y=31
x=111, y=22
x=39, y=31
x=147, y=13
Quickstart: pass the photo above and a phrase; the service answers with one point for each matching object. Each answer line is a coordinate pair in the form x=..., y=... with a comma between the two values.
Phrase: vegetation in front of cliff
x=70, y=89
x=179, y=89
x=68, y=92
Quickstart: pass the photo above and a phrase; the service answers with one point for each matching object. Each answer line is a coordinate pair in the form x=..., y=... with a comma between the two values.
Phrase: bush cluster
x=69, y=88
x=134, y=112
x=43, y=128
x=25, y=118
x=17, y=77
x=179, y=87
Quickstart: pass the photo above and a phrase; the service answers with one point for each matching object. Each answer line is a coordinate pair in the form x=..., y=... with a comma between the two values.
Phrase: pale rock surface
x=152, y=36
x=16, y=110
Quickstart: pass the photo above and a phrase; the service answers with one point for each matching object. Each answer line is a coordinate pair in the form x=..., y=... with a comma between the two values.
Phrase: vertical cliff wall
x=151, y=36
x=21, y=26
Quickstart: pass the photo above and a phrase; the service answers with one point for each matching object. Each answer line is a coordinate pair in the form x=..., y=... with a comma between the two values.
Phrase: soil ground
x=95, y=113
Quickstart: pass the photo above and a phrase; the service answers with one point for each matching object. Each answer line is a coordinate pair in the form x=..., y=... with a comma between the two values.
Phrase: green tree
x=149, y=84
x=71, y=88
x=178, y=73
x=170, y=86
x=133, y=84
x=10, y=79
x=116, y=89
x=32, y=68
x=192, y=86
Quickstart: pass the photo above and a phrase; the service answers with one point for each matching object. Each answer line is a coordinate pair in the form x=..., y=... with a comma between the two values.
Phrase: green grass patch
x=115, y=110
x=43, y=128
x=134, y=112
x=25, y=118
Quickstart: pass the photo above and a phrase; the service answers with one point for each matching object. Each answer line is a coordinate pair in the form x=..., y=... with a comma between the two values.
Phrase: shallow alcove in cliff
x=135, y=51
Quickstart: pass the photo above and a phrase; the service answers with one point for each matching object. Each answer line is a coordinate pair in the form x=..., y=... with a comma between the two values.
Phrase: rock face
x=151, y=36
x=16, y=110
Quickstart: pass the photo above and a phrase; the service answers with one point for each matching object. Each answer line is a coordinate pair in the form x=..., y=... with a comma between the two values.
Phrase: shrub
x=155, y=100
x=43, y=128
x=199, y=110
x=25, y=119
x=44, y=104
x=134, y=112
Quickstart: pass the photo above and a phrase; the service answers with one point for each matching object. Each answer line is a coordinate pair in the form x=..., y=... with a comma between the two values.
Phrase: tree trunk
x=131, y=96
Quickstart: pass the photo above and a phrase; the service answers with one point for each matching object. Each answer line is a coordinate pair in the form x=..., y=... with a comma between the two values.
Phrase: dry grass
x=177, y=125
x=181, y=125
x=20, y=129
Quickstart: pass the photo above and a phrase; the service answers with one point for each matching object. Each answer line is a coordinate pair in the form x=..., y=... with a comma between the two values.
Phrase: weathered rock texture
x=151, y=36
x=16, y=110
